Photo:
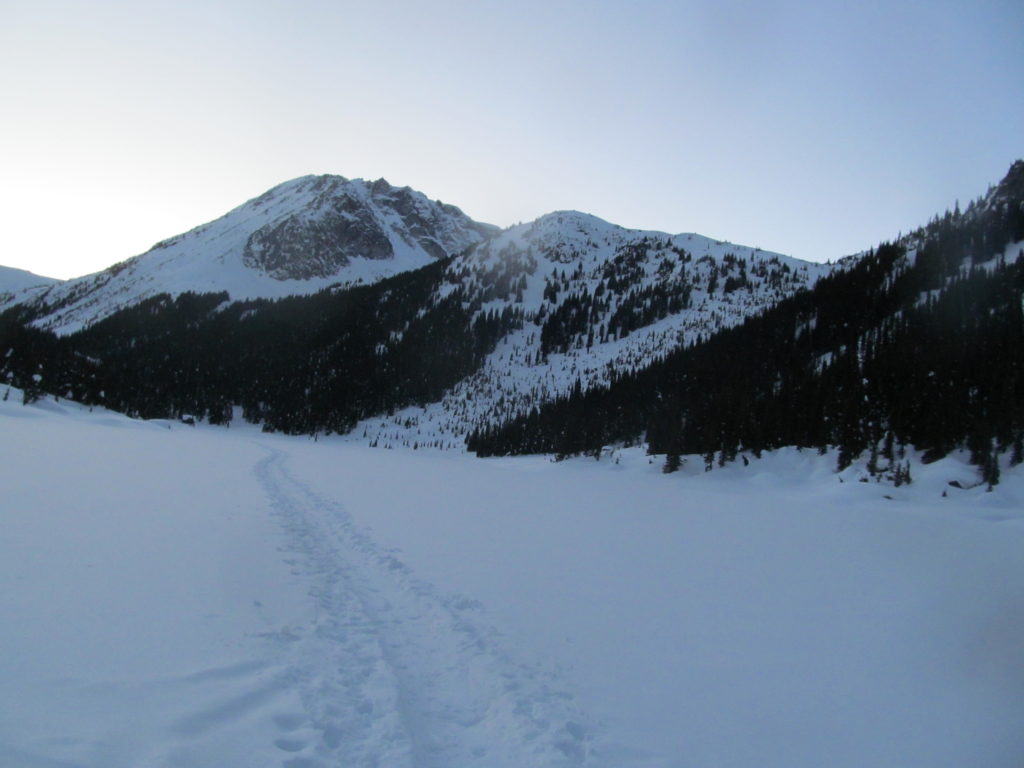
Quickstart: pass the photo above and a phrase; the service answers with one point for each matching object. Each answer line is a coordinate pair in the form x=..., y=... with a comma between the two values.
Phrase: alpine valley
x=334, y=306
x=209, y=559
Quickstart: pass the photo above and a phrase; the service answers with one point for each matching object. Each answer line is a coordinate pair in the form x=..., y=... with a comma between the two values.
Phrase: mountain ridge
x=918, y=343
x=569, y=333
x=511, y=321
x=14, y=281
x=298, y=237
x=599, y=300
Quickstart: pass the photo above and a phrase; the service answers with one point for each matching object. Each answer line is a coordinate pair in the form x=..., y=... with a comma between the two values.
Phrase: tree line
x=301, y=365
x=918, y=343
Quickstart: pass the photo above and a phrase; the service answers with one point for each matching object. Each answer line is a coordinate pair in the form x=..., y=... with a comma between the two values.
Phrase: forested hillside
x=416, y=356
x=299, y=365
x=918, y=343
x=571, y=334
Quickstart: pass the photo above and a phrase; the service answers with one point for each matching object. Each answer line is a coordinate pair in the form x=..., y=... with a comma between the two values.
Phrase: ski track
x=395, y=674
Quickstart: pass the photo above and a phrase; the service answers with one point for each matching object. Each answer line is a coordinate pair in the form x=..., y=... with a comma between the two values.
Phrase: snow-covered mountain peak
x=313, y=226
x=571, y=221
x=563, y=235
x=299, y=237
x=593, y=300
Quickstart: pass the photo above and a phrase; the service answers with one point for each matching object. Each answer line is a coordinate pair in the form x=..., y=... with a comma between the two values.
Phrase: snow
x=179, y=596
x=571, y=249
x=210, y=257
x=575, y=248
x=12, y=279
x=17, y=285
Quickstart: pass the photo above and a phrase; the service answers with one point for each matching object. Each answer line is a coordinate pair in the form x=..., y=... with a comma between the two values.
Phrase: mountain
x=14, y=283
x=597, y=300
x=918, y=343
x=297, y=238
x=422, y=357
x=569, y=334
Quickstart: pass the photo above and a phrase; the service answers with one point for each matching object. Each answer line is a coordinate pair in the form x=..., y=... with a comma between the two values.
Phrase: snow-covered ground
x=177, y=596
x=17, y=285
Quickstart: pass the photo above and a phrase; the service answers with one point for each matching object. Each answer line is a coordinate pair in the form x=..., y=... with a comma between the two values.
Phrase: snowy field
x=176, y=596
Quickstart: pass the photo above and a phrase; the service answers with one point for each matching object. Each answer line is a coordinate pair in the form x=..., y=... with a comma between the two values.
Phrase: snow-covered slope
x=598, y=300
x=297, y=238
x=578, y=300
x=202, y=597
x=18, y=285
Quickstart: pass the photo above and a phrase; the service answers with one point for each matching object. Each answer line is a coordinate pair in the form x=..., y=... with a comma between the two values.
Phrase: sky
x=816, y=129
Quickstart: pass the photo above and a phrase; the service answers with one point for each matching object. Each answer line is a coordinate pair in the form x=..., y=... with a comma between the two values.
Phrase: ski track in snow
x=395, y=674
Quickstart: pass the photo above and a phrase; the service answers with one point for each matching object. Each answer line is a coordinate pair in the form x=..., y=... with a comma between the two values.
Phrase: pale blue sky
x=815, y=129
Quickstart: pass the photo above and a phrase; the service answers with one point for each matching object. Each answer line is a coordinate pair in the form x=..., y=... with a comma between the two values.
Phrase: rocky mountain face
x=354, y=219
x=297, y=238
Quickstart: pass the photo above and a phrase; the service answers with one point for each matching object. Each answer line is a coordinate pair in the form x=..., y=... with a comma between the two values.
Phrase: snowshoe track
x=395, y=674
